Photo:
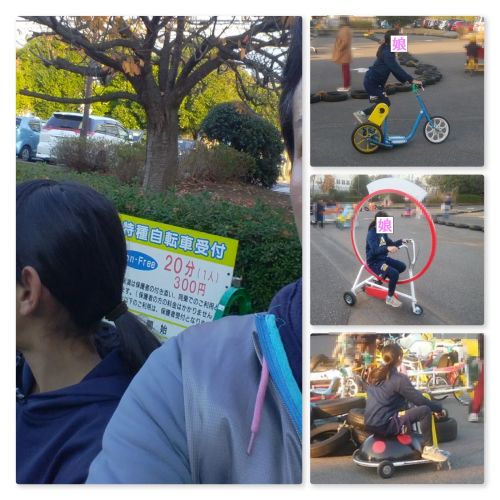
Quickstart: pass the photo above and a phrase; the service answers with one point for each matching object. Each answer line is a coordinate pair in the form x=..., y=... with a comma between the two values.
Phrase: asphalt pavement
x=459, y=97
x=466, y=459
x=451, y=292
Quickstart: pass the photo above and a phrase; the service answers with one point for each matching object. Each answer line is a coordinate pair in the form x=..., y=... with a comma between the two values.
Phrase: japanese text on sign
x=175, y=276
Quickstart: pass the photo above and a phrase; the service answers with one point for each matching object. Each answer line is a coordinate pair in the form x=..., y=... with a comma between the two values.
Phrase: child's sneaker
x=360, y=116
x=392, y=301
x=473, y=417
x=434, y=454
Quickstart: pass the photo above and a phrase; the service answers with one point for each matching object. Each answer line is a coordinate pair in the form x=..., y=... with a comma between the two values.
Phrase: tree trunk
x=162, y=161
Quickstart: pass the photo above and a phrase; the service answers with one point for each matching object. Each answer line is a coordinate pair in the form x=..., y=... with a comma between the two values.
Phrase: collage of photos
x=167, y=220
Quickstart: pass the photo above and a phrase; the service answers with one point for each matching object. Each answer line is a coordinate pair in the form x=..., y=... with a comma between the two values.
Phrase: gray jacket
x=186, y=416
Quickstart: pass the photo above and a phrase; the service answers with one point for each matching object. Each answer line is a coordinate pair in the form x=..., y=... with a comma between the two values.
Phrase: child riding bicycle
x=378, y=74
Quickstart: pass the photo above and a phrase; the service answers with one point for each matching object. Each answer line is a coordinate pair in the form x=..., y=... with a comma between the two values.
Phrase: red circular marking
x=378, y=447
x=427, y=216
x=404, y=439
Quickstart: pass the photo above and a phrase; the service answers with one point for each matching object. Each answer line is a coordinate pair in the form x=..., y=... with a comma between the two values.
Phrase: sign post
x=175, y=277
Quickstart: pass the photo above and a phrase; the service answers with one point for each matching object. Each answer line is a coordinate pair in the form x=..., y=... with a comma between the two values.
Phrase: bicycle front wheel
x=437, y=130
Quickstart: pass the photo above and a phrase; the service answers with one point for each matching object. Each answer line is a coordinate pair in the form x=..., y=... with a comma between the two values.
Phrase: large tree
x=163, y=58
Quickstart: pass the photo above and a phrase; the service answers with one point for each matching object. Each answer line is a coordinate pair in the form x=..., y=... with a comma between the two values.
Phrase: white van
x=63, y=124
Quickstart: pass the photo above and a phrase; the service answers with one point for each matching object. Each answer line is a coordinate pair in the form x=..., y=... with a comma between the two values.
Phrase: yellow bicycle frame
x=379, y=114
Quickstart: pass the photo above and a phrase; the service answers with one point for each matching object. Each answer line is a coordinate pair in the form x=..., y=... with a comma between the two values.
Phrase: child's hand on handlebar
x=392, y=249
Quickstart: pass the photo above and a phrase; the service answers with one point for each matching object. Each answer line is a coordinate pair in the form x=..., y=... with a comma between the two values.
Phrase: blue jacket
x=59, y=433
x=384, y=65
x=218, y=403
x=376, y=247
x=388, y=397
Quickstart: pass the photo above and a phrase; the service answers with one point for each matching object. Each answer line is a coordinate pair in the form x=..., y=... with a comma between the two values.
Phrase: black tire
x=475, y=227
x=25, y=154
x=428, y=80
x=446, y=430
x=340, y=406
x=361, y=135
x=401, y=87
x=441, y=134
x=349, y=299
x=419, y=310
x=315, y=98
x=318, y=414
x=334, y=96
x=462, y=226
x=359, y=94
x=328, y=439
x=360, y=436
x=356, y=418
x=385, y=469
x=390, y=90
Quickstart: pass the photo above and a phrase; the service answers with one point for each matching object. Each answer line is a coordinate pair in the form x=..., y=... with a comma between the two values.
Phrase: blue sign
x=141, y=261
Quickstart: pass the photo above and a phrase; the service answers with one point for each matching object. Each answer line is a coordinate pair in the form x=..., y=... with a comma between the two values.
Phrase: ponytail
x=137, y=341
x=391, y=355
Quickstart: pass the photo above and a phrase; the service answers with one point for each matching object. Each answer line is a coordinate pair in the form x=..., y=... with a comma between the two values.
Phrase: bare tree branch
x=111, y=96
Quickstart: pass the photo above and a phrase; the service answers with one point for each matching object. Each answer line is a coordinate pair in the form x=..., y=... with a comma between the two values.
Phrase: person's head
x=291, y=116
x=70, y=265
x=392, y=356
x=380, y=213
x=387, y=41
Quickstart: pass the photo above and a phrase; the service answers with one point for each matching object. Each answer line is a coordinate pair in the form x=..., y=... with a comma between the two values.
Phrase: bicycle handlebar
x=413, y=258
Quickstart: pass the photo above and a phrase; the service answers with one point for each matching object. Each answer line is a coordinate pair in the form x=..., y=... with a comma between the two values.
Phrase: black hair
x=373, y=223
x=73, y=237
x=292, y=74
x=387, y=41
x=391, y=354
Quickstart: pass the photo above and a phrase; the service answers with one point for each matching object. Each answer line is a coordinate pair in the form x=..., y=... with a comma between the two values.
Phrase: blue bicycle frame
x=394, y=140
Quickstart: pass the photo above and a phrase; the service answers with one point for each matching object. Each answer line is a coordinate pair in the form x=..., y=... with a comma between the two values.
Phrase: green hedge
x=269, y=252
x=475, y=199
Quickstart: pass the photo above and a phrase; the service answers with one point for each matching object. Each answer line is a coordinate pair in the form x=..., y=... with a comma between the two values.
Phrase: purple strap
x=259, y=405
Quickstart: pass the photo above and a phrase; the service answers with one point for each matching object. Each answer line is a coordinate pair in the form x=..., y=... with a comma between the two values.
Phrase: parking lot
x=450, y=293
x=459, y=97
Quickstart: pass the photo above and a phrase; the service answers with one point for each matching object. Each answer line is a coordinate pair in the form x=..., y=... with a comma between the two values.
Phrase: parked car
x=462, y=25
x=62, y=125
x=27, y=136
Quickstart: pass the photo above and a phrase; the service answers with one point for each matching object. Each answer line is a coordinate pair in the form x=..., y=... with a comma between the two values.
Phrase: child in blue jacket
x=378, y=247
x=377, y=75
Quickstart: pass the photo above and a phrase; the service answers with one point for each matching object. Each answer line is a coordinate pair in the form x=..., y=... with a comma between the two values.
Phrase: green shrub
x=269, y=252
x=473, y=199
x=235, y=125
x=123, y=160
x=219, y=163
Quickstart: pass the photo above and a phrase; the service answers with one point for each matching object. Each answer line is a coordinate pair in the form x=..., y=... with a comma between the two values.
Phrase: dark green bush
x=218, y=163
x=269, y=252
x=237, y=126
